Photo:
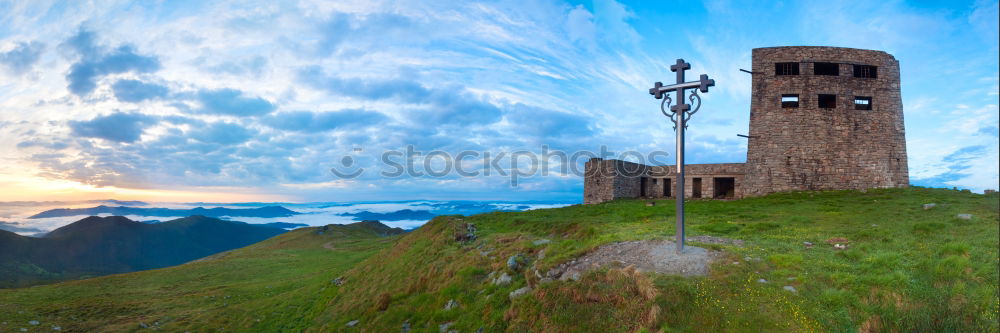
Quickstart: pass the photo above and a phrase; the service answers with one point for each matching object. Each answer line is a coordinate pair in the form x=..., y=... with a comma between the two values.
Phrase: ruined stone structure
x=821, y=118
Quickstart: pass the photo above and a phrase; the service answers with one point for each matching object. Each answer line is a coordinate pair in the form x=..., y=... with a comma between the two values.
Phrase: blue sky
x=237, y=100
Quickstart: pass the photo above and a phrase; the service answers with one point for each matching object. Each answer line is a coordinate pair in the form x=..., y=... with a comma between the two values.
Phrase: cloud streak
x=95, y=62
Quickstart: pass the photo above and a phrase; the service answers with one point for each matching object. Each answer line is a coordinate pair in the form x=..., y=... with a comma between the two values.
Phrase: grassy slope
x=268, y=286
x=907, y=269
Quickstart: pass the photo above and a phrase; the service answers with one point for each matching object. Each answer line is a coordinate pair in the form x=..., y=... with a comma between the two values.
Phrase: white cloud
x=594, y=64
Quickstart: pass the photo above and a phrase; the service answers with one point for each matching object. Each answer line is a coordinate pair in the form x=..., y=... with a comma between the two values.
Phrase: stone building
x=821, y=118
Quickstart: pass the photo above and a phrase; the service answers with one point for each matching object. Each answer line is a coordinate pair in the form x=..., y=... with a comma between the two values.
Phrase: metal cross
x=679, y=114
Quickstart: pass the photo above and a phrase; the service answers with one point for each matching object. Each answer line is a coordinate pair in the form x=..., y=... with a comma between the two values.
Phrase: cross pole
x=679, y=114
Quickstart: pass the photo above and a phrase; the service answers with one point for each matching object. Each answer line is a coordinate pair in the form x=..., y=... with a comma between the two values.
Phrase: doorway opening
x=642, y=187
x=725, y=188
x=696, y=188
x=666, y=188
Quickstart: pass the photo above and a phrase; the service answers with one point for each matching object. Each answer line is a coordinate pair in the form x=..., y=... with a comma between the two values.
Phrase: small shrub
x=785, y=260
x=882, y=262
x=928, y=227
x=836, y=298
x=761, y=227
x=719, y=228
x=850, y=254
x=383, y=301
x=961, y=222
x=797, y=219
x=843, y=279
x=955, y=248
x=894, y=279
x=950, y=267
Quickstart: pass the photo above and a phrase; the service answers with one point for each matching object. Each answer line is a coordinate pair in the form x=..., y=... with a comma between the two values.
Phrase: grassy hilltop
x=905, y=269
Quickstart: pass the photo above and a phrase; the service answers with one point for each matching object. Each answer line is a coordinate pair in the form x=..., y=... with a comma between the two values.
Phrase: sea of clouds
x=15, y=216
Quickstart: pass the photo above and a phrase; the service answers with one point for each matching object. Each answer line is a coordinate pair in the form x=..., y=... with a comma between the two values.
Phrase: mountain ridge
x=115, y=244
x=266, y=212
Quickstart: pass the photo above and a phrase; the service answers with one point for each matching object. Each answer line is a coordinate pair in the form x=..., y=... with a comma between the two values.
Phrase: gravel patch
x=657, y=256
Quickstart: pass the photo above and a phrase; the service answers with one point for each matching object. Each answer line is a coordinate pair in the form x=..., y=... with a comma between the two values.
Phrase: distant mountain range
x=265, y=212
x=399, y=215
x=106, y=245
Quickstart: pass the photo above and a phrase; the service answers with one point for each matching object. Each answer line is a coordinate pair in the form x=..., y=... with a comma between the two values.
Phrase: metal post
x=680, y=108
x=680, y=184
x=679, y=115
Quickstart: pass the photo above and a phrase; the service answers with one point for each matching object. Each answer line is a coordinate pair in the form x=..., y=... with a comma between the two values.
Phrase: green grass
x=906, y=269
x=269, y=286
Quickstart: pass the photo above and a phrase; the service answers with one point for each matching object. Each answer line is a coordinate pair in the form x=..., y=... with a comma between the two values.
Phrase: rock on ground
x=338, y=281
x=451, y=305
x=503, y=279
x=517, y=293
x=648, y=256
x=465, y=232
x=512, y=262
x=964, y=216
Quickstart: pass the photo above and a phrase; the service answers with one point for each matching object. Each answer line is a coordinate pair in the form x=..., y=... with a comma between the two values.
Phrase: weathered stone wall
x=613, y=179
x=813, y=148
x=607, y=180
x=707, y=172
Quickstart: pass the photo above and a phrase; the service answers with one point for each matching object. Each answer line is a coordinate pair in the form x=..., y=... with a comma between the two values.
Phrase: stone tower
x=824, y=118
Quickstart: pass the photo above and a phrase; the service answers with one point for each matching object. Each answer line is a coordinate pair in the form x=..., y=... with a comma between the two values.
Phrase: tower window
x=786, y=68
x=862, y=102
x=826, y=68
x=827, y=101
x=790, y=100
x=866, y=71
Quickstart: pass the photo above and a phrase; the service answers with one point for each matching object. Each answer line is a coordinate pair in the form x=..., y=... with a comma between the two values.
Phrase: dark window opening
x=866, y=71
x=725, y=188
x=666, y=187
x=786, y=68
x=696, y=188
x=827, y=101
x=654, y=180
x=826, y=68
x=862, y=103
x=790, y=100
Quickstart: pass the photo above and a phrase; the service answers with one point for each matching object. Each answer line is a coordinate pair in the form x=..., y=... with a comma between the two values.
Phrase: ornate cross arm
x=702, y=84
x=659, y=91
